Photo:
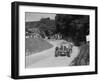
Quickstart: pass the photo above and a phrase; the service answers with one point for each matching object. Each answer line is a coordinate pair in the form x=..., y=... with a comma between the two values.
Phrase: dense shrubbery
x=73, y=27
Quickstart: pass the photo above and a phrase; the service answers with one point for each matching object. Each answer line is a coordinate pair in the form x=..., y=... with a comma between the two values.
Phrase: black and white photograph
x=56, y=40
x=50, y=40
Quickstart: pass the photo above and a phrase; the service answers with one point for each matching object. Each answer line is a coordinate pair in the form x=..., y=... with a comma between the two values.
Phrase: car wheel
x=68, y=54
x=56, y=51
x=70, y=51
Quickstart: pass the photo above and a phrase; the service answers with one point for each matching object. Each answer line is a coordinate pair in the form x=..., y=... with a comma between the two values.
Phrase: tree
x=75, y=27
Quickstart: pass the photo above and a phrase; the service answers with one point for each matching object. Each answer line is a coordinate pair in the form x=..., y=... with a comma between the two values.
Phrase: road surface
x=47, y=58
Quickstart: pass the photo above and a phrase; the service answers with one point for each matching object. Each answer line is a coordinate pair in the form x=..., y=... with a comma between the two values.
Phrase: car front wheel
x=56, y=51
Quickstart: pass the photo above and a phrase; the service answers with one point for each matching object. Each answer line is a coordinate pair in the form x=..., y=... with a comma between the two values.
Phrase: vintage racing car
x=65, y=49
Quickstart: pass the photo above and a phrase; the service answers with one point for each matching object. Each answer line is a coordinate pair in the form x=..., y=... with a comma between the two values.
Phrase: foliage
x=75, y=27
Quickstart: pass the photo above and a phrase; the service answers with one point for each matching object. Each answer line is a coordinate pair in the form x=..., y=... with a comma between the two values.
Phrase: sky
x=32, y=16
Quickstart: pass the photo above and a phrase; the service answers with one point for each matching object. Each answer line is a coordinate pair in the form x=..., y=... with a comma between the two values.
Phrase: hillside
x=43, y=24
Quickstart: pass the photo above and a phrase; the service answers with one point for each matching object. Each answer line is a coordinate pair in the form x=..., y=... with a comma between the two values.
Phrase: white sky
x=33, y=16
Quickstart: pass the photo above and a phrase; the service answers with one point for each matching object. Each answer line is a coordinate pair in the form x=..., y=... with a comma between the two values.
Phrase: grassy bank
x=33, y=46
x=83, y=56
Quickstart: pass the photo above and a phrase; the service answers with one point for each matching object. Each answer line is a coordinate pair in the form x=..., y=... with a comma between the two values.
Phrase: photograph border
x=15, y=39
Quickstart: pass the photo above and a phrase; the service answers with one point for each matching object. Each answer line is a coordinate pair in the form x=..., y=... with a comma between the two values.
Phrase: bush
x=83, y=56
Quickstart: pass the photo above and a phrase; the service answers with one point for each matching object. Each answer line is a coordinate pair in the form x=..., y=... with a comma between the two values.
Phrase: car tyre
x=56, y=52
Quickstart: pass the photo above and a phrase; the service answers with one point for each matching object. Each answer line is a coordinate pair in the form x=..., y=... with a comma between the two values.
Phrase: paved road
x=47, y=58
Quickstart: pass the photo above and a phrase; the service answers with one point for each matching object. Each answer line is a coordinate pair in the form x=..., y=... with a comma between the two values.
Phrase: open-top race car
x=65, y=49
